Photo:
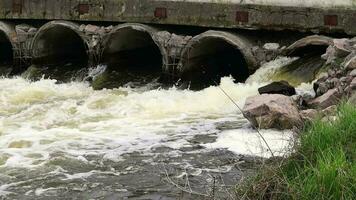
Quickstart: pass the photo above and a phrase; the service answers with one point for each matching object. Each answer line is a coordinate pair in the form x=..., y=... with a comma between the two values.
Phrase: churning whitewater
x=60, y=140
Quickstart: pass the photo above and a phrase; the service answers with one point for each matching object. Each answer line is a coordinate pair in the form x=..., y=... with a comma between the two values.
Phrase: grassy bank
x=322, y=167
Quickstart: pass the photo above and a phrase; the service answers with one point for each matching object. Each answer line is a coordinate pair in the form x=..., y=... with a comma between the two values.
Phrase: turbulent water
x=68, y=141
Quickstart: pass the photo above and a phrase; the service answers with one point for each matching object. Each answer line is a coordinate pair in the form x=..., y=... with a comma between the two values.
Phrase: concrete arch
x=7, y=43
x=315, y=44
x=214, y=54
x=133, y=45
x=60, y=43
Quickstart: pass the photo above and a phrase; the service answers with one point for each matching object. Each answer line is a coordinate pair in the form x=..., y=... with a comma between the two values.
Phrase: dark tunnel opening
x=213, y=58
x=6, y=54
x=309, y=50
x=60, y=52
x=132, y=57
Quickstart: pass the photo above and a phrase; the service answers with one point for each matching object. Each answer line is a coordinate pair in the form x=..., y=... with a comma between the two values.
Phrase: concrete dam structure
x=188, y=40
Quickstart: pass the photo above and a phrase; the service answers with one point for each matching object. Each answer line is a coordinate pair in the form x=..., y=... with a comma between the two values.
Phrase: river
x=68, y=141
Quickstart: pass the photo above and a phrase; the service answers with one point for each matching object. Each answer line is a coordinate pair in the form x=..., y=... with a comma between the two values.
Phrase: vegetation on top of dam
x=322, y=166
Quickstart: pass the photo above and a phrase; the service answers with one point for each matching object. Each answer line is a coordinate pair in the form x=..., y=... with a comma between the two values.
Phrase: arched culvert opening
x=60, y=50
x=213, y=55
x=6, y=54
x=309, y=62
x=131, y=55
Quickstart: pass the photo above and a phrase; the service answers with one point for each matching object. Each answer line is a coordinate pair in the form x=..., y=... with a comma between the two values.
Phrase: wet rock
x=323, y=76
x=309, y=114
x=278, y=87
x=331, y=97
x=272, y=111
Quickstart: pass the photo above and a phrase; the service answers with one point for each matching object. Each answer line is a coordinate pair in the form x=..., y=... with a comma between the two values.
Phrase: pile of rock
x=24, y=32
x=95, y=30
x=277, y=106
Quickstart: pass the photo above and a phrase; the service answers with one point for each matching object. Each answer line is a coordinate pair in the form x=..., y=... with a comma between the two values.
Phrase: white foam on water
x=267, y=70
x=247, y=141
x=44, y=117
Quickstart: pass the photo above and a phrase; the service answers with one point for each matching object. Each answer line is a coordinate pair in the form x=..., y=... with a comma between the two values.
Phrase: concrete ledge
x=316, y=16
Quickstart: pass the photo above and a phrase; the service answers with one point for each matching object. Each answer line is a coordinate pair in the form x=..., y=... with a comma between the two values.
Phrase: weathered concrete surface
x=302, y=15
x=314, y=40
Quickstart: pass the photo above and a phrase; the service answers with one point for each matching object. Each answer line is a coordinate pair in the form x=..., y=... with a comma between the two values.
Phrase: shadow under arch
x=215, y=54
x=60, y=49
x=7, y=46
x=132, y=54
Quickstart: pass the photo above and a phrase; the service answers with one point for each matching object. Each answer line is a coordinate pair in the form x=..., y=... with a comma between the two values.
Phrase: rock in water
x=278, y=87
x=272, y=111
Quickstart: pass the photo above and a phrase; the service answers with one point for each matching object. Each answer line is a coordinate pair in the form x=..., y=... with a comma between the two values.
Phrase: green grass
x=323, y=165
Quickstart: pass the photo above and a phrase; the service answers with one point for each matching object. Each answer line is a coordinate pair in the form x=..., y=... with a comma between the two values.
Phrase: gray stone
x=23, y=27
x=330, y=55
x=352, y=99
x=82, y=27
x=309, y=114
x=109, y=28
x=329, y=111
x=343, y=79
x=353, y=73
x=335, y=82
x=272, y=111
x=32, y=30
x=331, y=73
x=331, y=97
x=353, y=84
x=342, y=47
x=271, y=46
x=350, y=63
x=320, y=88
x=91, y=29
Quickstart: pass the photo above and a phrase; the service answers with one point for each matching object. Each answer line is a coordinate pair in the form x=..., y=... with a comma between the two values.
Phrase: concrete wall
x=303, y=15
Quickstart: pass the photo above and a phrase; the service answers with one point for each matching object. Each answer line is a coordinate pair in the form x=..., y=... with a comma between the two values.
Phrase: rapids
x=69, y=141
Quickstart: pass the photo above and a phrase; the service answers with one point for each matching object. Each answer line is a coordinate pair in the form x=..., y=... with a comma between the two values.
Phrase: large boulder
x=272, y=111
x=331, y=97
x=278, y=87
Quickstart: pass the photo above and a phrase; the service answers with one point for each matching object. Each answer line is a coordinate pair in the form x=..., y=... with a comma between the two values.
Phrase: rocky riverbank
x=279, y=107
